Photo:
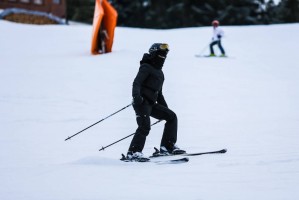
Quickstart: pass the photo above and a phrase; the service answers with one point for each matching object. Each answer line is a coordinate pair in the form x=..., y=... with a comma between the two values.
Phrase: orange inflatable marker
x=105, y=18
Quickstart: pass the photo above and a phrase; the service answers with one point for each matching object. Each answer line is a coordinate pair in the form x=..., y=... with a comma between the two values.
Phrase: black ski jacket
x=149, y=82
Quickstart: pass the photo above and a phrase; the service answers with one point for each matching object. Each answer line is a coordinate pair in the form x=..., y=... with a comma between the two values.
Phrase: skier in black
x=148, y=101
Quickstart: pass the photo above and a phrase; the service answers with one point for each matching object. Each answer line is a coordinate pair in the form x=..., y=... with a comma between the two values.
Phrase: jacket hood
x=153, y=60
x=146, y=59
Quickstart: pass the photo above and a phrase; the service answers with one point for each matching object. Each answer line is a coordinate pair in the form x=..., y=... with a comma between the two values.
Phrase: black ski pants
x=218, y=42
x=143, y=114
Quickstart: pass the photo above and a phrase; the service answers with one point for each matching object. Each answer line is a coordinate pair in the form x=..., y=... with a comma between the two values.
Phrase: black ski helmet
x=156, y=47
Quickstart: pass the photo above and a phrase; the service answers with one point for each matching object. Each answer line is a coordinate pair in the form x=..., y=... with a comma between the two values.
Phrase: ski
x=158, y=154
x=172, y=161
x=153, y=160
x=208, y=56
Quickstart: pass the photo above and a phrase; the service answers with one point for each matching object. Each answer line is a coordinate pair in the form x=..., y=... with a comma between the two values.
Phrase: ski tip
x=180, y=160
x=173, y=161
x=185, y=159
x=223, y=151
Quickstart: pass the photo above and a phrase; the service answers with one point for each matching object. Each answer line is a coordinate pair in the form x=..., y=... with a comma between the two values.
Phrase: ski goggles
x=164, y=47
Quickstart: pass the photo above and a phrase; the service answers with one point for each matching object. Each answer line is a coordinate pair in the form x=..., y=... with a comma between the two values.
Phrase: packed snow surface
x=51, y=87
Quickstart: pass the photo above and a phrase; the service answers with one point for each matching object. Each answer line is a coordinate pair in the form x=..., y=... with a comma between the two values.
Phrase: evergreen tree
x=80, y=10
x=290, y=10
x=189, y=13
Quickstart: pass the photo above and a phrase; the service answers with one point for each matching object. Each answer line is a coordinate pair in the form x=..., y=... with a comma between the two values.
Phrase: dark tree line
x=80, y=10
x=164, y=14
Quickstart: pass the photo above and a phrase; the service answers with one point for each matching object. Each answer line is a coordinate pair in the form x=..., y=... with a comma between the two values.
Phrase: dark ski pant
x=143, y=114
x=218, y=42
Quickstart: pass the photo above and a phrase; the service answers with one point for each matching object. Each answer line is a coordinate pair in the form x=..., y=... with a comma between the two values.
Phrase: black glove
x=137, y=100
x=219, y=36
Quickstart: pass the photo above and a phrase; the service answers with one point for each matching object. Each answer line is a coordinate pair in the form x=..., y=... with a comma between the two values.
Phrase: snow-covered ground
x=51, y=88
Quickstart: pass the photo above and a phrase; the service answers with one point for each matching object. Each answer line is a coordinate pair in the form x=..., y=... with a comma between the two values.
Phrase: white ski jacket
x=217, y=31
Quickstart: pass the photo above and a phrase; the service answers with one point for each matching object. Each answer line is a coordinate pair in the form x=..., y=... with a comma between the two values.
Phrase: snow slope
x=51, y=88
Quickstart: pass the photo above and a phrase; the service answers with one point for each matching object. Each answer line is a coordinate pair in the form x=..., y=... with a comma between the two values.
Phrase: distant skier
x=216, y=39
x=148, y=101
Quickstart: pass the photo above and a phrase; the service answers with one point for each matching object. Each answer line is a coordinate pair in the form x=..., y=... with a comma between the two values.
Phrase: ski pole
x=97, y=122
x=204, y=49
x=103, y=148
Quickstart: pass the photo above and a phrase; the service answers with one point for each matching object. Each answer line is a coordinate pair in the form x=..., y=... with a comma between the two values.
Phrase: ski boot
x=175, y=150
x=134, y=157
